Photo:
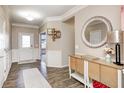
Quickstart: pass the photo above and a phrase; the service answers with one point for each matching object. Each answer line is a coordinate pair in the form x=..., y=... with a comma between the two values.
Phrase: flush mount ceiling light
x=30, y=16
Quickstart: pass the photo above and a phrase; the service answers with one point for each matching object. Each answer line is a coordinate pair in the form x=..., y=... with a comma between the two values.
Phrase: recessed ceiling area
x=35, y=14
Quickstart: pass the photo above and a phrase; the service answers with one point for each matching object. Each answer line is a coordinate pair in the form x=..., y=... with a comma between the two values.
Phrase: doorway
x=43, y=53
x=26, y=46
x=43, y=46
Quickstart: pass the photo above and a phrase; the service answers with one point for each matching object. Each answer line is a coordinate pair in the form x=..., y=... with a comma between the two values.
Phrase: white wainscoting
x=8, y=64
x=1, y=72
x=36, y=53
x=25, y=55
x=54, y=58
x=15, y=55
x=5, y=65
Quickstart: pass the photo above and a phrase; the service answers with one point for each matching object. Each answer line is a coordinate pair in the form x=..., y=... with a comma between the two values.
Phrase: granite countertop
x=97, y=60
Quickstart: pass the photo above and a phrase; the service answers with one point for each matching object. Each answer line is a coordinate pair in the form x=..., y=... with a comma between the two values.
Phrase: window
x=26, y=41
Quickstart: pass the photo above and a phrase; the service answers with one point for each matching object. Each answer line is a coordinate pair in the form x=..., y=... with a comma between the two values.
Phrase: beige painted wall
x=7, y=60
x=4, y=14
x=57, y=45
x=112, y=13
x=68, y=40
x=17, y=29
x=65, y=44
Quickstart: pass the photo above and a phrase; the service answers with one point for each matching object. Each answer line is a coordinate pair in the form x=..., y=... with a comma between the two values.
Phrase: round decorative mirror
x=94, y=32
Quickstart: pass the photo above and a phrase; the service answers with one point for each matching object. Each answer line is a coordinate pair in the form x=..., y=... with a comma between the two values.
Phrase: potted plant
x=109, y=52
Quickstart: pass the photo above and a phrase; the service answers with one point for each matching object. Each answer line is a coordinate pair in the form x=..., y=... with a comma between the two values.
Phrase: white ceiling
x=43, y=10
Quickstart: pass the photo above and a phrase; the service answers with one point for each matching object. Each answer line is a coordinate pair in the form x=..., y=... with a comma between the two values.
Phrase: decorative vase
x=108, y=58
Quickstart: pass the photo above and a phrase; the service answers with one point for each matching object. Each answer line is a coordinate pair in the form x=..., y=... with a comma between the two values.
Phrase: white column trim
x=69, y=68
x=120, y=78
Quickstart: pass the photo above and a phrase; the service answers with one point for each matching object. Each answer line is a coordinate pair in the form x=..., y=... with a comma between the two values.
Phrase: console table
x=85, y=68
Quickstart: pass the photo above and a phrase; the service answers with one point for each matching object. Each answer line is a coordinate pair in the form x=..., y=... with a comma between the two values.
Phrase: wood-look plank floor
x=57, y=77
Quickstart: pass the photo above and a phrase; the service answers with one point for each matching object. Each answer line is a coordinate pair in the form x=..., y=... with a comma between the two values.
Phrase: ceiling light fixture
x=30, y=16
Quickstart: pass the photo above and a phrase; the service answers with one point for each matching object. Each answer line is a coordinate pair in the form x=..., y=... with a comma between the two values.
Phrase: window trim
x=23, y=45
x=20, y=39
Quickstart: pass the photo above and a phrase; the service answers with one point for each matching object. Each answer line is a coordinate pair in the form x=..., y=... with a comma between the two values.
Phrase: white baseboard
x=27, y=61
x=64, y=66
x=57, y=66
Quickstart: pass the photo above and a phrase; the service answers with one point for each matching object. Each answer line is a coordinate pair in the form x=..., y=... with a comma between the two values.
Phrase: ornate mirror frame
x=109, y=28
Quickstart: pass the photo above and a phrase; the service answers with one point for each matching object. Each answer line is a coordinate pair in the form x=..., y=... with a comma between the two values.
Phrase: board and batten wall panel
x=54, y=58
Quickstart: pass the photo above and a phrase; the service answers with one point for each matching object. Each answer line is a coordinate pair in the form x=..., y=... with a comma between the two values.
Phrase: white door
x=2, y=51
x=26, y=46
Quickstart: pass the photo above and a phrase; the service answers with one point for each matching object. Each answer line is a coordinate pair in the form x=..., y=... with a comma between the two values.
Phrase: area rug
x=34, y=79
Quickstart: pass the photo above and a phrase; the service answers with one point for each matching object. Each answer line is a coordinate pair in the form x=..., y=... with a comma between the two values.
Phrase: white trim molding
x=120, y=73
x=43, y=23
x=70, y=13
x=54, y=18
x=25, y=25
x=67, y=14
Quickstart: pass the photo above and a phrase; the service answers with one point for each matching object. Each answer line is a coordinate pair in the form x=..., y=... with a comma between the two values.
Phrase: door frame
x=20, y=44
x=40, y=44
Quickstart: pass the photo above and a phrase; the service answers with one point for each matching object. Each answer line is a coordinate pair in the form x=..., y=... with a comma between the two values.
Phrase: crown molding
x=48, y=19
x=43, y=23
x=73, y=11
x=25, y=25
x=54, y=18
x=66, y=15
